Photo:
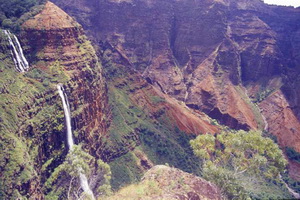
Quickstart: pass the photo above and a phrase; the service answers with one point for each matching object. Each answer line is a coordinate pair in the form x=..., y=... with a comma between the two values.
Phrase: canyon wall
x=204, y=53
x=236, y=61
x=168, y=70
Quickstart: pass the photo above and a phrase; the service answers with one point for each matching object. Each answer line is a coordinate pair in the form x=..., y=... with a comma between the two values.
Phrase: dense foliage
x=293, y=154
x=231, y=157
x=12, y=10
x=77, y=162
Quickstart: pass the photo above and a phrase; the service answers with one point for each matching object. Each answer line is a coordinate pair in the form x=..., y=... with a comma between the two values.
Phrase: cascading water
x=17, y=53
x=83, y=180
x=67, y=115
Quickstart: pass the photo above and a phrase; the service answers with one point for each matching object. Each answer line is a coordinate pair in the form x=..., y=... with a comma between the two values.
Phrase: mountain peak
x=51, y=17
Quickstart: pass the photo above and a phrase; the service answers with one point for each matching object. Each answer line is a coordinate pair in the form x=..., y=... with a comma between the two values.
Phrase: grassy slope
x=162, y=143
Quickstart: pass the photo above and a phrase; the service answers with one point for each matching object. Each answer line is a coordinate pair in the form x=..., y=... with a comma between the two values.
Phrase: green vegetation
x=161, y=142
x=262, y=95
x=20, y=131
x=237, y=160
x=292, y=154
x=172, y=147
x=125, y=171
x=265, y=88
x=137, y=125
x=15, y=12
x=76, y=162
x=32, y=131
x=270, y=135
x=292, y=183
x=144, y=190
x=16, y=165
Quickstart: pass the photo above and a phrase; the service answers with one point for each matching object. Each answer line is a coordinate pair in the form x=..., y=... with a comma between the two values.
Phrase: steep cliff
x=145, y=119
x=170, y=68
x=170, y=43
x=53, y=38
x=137, y=114
x=33, y=139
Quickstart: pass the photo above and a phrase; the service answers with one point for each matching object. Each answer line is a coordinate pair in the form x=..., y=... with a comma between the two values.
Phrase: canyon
x=144, y=77
x=234, y=61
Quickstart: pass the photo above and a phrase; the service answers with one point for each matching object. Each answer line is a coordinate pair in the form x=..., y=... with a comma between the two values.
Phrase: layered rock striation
x=203, y=53
x=55, y=39
x=33, y=132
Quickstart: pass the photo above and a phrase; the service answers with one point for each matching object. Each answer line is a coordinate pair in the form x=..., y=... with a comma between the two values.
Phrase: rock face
x=171, y=64
x=140, y=92
x=33, y=139
x=198, y=188
x=135, y=101
x=55, y=39
x=162, y=182
x=203, y=52
x=189, y=50
x=281, y=119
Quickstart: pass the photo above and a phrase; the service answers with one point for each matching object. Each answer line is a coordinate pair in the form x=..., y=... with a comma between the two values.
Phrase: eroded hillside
x=228, y=59
x=156, y=75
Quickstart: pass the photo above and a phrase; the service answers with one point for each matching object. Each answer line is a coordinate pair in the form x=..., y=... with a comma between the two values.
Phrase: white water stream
x=19, y=59
x=83, y=179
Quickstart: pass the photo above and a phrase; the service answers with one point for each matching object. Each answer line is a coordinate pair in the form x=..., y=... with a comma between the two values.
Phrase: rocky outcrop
x=283, y=122
x=153, y=101
x=198, y=188
x=162, y=182
x=212, y=92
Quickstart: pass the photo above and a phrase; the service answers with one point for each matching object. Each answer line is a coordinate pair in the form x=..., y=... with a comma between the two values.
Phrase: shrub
x=292, y=154
x=231, y=155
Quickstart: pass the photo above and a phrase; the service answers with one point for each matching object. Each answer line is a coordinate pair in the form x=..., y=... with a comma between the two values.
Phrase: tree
x=78, y=162
x=228, y=155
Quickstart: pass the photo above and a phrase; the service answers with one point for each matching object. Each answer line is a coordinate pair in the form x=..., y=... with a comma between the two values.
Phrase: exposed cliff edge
x=162, y=182
x=55, y=39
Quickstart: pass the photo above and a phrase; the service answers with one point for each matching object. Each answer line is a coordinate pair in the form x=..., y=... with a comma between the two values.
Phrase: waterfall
x=17, y=52
x=83, y=180
x=67, y=112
